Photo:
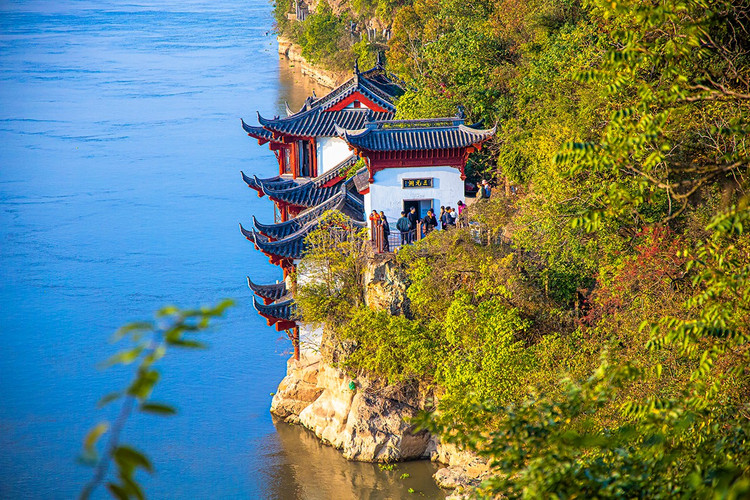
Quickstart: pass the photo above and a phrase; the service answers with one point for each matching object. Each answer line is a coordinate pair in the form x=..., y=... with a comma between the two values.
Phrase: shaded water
x=120, y=151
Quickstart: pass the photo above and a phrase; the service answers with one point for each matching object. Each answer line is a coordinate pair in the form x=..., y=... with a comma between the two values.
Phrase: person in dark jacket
x=429, y=222
x=403, y=226
x=445, y=218
x=413, y=218
x=386, y=231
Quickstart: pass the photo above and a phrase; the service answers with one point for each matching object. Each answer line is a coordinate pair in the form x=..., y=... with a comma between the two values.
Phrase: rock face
x=298, y=389
x=365, y=425
x=366, y=420
x=385, y=286
x=293, y=52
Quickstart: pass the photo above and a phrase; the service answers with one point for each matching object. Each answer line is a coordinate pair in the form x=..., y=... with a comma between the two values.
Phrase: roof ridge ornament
x=461, y=112
x=380, y=63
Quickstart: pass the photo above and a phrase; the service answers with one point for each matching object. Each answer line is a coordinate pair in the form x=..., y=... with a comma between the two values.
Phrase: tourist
x=374, y=218
x=487, y=189
x=403, y=226
x=445, y=218
x=481, y=192
x=413, y=218
x=440, y=217
x=386, y=231
x=461, y=207
x=452, y=214
x=429, y=222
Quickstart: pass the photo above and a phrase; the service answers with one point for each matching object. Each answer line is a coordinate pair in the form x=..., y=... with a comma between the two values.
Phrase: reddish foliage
x=653, y=273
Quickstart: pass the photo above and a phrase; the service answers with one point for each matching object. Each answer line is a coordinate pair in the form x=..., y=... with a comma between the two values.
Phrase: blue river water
x=120, y=152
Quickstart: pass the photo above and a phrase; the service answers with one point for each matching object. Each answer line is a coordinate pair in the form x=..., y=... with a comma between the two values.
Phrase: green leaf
x=94, y=434
x=130, y=456
x=117, y=491
x=189, y=344
x=142, y=386
x=112, y=396
x=124, y=357
x=158, y=409
x=167, y=311
x=135, y=327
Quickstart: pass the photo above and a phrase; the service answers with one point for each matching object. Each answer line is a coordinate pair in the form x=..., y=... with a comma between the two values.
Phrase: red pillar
x=295, y=341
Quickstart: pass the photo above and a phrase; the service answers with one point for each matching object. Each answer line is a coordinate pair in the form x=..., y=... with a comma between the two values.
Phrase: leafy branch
x=150, y=340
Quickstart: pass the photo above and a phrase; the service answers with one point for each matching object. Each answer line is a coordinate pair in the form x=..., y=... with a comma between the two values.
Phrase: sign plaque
x=417, y=183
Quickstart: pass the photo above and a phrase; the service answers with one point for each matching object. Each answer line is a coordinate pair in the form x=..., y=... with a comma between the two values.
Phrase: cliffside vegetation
x=603, y=349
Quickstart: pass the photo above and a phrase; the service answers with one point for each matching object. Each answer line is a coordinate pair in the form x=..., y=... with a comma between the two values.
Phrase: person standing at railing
x=461, y=218
x=374, y=219
x=451, y=216
x=429, y=222
x=403, y=226
x=386, y=231
x=413, y=218
x=445, y=217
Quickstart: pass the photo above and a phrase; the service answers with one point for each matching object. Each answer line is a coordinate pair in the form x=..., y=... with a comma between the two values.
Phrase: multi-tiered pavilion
x=345, y=151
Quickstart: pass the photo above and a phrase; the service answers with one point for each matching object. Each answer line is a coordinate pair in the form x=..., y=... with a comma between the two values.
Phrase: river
x=120, y=152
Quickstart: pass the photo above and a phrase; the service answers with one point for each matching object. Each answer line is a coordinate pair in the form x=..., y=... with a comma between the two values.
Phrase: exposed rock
x=298, y=389
x=376, y=431
x=365, y=424
x=293, y=52
x=465, y=469
x=385, y=286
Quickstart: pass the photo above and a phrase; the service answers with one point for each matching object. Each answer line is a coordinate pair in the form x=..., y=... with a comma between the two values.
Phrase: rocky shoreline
x=367, y=423
x=293, y=53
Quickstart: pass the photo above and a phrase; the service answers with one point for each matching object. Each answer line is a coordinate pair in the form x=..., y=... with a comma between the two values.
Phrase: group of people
x=408, y=222
x=379, y=220
x=485, y=190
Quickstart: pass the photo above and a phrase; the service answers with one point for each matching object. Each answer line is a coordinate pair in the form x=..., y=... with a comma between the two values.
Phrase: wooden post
x=419, y=230
x=295, y=341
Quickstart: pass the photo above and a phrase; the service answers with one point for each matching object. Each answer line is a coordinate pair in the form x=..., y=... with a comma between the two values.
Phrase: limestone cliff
x=293, y=52
x=365, y=419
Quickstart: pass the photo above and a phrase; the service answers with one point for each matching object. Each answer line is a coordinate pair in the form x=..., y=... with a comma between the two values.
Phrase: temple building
x=414, y=163
x=345, y=151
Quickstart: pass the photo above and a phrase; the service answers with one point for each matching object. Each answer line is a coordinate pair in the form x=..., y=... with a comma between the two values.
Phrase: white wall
x=387, y=193
x=331, y=151
x=310, y=336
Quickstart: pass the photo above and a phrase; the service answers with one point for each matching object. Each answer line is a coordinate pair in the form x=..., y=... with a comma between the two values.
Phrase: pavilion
x=346, y=151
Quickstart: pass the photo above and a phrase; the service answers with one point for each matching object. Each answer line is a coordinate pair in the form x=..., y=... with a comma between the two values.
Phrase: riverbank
x=293, y=54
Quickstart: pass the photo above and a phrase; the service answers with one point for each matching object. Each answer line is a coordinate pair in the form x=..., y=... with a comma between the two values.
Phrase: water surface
x=120, y=151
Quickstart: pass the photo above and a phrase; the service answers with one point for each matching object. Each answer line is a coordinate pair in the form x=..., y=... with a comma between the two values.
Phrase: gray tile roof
x=376, y=83
x=309, y=193
x=314, y=119
x=263, y=135
x=281, y=309
x=276, y=182
x=290, y=247
x=271, y=292
x=348, y=203
x=415, y=135
x=317, y=122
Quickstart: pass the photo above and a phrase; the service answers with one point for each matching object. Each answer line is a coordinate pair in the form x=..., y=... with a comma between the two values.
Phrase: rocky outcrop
x=366, y=424
x=298, y=390
x=464, y=469
x=367, y=420
x=293, y=52
x=385, y=286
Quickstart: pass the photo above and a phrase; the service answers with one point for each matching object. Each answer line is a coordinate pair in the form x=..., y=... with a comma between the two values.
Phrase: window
x=286, y=160
x=305, y=159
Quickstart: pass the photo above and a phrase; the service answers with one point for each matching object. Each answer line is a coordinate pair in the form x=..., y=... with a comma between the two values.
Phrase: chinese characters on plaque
x=417, y=183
